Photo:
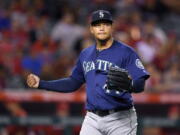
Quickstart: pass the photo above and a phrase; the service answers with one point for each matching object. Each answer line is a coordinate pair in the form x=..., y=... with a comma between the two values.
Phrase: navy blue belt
x=103, y=113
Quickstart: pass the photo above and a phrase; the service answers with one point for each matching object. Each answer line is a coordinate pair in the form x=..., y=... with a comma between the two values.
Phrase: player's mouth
x=101, y=33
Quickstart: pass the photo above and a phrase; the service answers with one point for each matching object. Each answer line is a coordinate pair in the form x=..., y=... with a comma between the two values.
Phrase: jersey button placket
x=96, y=74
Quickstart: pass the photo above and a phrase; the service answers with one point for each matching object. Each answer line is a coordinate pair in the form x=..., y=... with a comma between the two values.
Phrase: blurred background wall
x=45, y=37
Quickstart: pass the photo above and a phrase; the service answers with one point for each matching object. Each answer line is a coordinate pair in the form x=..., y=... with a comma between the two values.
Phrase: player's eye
x=108, y=24
x=97, y=24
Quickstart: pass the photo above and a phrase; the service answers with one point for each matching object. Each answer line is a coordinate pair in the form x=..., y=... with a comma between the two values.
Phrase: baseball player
x=111, y=71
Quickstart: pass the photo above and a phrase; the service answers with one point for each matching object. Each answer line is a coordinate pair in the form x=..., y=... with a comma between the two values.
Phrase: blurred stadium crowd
x=46, y=36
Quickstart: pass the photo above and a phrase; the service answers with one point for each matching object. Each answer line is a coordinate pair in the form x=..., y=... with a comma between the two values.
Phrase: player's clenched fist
x=33, y=81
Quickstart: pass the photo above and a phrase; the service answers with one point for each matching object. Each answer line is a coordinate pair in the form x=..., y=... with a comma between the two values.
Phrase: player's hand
x=119, y=79
x=33, y=81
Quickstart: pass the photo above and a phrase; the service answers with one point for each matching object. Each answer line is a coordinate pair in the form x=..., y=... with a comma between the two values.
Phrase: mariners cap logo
x=101, y=14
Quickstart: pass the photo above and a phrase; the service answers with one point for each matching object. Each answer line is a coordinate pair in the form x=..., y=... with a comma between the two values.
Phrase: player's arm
x=62, y=85
x=138, y=85
x=66, y=85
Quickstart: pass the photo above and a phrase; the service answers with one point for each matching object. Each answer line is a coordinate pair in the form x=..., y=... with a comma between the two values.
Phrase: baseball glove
x=119, y=79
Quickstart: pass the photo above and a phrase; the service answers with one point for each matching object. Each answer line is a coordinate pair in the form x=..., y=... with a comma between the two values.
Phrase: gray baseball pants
x=118, y=123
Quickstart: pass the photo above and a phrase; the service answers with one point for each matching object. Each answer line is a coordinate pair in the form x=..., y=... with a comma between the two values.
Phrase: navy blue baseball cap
x=101, y=15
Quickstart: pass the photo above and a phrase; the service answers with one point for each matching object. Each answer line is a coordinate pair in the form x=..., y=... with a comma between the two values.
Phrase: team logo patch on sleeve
x=139, y=64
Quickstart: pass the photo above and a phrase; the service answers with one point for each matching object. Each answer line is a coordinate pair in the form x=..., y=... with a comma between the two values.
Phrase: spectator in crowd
x=147, y=48
x=67, y=31
x=83, y=42
x=154, y=83
x=172, y=78
x=32, y=62
x=2, y=77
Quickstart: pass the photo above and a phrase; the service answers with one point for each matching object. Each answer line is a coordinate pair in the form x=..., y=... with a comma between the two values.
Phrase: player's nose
x=102, y=27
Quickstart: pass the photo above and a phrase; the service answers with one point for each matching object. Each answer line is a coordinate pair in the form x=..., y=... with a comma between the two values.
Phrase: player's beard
x=103, y=42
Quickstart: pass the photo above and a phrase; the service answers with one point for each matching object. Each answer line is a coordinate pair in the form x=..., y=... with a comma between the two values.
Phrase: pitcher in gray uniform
x=111, y=71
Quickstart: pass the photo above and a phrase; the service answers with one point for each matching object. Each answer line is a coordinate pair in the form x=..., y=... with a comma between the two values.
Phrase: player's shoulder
x=88, y=49
x=124, y=47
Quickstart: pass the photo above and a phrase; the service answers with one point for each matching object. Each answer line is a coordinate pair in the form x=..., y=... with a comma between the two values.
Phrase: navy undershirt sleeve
x=138, y=85
x=64, y=85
